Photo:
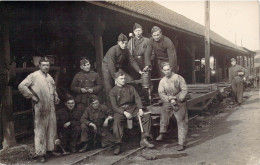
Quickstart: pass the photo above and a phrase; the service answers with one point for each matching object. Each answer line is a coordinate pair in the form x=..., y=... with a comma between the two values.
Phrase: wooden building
x=71, y=30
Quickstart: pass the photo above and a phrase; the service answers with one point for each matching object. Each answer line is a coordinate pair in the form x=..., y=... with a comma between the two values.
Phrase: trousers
x=181, y=116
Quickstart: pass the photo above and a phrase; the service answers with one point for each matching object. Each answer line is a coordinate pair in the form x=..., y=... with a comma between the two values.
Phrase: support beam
x=207, y=42
x=6, y=91
x=99, y=27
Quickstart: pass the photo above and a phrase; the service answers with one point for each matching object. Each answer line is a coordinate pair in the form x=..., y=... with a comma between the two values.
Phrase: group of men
x=84, y=120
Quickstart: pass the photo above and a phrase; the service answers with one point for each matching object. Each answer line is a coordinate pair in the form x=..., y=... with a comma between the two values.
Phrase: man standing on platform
x=138, y=47
x=113, y=61
x=237, y=74
x=164, y=51
x=85, y=83
x=172, y=91
x=40, y=87
x=127, y=104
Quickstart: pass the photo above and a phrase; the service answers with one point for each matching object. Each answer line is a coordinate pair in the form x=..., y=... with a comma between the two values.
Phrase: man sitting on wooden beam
x=127, y=104
x=172, y=91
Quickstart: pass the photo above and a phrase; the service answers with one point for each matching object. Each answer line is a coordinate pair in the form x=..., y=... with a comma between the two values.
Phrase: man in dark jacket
x=127, y=104
x=85, y=83
x=68, y=124
x=113, y=61
x=164, y=51
x=236, y=75
x=138, y=47
x=94, y=124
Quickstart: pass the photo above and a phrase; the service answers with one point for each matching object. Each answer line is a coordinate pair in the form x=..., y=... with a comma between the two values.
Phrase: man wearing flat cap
x=237, y=74
x=113, y=61
x=164, y=50
x=85, y=83
x=127, y=104
x=172, y=91
x=40, y=87
x=138, y=46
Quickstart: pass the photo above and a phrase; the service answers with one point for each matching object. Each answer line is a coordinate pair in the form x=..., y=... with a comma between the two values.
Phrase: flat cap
x=233, y=59
x=136, y=26
x=118, y=74
x=155, y=29
x=68, y=97
x=83, y=61
x=163, y=64
x=122, y=37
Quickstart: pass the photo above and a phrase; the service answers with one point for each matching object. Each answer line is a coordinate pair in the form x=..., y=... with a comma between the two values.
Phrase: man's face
x=44, y=67
x=122, y=44
x=167, y=70
x=70, y=104
x=233, y=63
x=138, y=32
x=157, y=35
x=85, y=67
x=95, y=104
x=120, y=80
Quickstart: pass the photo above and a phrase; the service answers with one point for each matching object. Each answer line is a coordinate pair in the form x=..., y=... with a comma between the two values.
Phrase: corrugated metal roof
x=155, y=11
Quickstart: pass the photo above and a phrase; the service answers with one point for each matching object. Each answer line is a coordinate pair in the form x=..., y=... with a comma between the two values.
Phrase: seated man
x=68, y=124
x=94, y=124
x=127, y=104
x=85, y=83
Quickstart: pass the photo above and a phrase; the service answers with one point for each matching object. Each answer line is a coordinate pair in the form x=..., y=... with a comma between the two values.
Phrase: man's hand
x=244, y=78
x=146, y=69
x=93, y=125
x=173, y=102
x=105, y=124
x=141, y=112
x=141, y=72
x=66, y=124
x=90, y=90
x=83, y=90
x=127, y=115
x=56, y=100
x=35, y=99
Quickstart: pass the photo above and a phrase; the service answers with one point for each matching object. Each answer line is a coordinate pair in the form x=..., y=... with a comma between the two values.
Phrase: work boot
x=160, y=137
x=180, y=147
x=146, y=143
x=41, y=159
x=117, y=149
x=73, y=150
x=84, y=149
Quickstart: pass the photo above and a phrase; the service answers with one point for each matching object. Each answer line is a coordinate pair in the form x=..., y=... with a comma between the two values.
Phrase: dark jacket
x=65, y=115
x=95, y=116
x=164, y=49
x=86, y=80
x=122, y=96
x=116, y=57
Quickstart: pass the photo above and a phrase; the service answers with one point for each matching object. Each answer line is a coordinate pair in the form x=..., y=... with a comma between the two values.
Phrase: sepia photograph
x=130, y=82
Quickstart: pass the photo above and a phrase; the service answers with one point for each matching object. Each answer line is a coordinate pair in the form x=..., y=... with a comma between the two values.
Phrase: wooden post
x=193, y=50
x=207, y=42
x=7, y=106
x=99, y=27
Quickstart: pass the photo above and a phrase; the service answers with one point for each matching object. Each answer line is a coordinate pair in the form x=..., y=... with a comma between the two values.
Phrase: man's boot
x=117, y=149
x=146, y=143
x=180, y=147
x=84, y=149
x=160, y=137
x=41, y=159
